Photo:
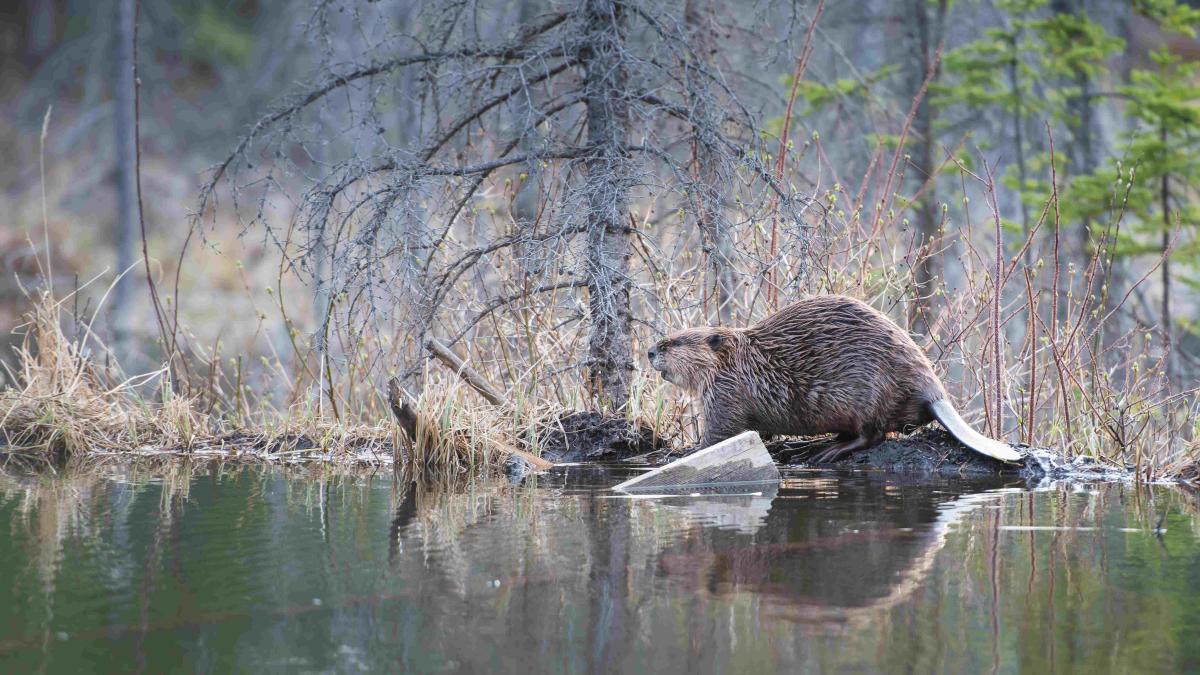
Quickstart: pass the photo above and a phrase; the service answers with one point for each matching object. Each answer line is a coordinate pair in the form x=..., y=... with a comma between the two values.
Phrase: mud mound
x=592, y=437
x=933, y=451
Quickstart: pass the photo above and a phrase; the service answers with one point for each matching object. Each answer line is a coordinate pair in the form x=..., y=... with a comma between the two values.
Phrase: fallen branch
x=467, y=373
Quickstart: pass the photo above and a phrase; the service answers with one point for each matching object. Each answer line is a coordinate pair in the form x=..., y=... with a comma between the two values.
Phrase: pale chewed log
x=741, y=459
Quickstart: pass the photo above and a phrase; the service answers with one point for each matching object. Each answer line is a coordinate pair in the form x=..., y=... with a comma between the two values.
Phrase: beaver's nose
x=652, y=353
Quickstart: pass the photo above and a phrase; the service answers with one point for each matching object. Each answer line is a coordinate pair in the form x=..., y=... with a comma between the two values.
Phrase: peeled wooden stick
x=741, y=459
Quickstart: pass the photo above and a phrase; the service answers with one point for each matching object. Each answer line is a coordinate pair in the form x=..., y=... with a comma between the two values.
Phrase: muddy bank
x=929, y=452
x=591, y=437
x=582, y=436
x=932, y=451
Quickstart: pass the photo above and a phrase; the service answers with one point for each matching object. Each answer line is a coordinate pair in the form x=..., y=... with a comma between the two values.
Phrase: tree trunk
x=1165, y=196
x=41, y=30
x=1086, y=162
x=1018, y=122
x=1115, y=270
x=609, y=235
x=125, y=140
x=1088, y=141
x=714, y=229
x=928, y=215
x=528, y=197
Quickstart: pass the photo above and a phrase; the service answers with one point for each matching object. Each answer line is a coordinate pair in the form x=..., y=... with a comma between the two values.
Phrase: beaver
x=826, y=364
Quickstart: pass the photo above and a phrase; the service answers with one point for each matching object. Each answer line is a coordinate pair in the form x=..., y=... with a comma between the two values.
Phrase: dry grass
x=65, y=407
x=64, y=404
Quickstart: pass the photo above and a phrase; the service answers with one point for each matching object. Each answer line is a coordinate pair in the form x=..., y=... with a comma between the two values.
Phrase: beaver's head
x=690, y=358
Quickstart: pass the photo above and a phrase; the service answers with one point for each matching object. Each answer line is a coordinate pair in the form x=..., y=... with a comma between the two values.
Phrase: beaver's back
x=832, y=363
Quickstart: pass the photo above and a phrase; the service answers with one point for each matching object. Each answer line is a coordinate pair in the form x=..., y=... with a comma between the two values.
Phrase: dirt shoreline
x=590, y=437
x=930, y=451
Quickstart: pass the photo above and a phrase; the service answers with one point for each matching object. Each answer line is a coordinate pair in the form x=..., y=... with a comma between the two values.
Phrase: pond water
x=203, y=568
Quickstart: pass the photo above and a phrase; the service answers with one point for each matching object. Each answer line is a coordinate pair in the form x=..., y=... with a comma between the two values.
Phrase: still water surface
x=213, y=570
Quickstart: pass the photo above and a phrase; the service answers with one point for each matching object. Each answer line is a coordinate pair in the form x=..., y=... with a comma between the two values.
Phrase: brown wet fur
x=827, y=364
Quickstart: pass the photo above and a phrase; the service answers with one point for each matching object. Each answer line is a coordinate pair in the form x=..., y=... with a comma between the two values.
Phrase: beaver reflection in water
x=827, y=364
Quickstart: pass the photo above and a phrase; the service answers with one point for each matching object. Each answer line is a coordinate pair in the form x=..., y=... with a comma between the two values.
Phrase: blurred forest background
x=550, y=186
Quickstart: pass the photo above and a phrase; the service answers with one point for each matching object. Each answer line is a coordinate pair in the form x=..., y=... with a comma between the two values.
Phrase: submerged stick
x=405, y=415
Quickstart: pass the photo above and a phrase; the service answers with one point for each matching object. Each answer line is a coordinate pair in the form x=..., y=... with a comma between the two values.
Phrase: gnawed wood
x=741, y=459
x=536, y=462
x=406, y=415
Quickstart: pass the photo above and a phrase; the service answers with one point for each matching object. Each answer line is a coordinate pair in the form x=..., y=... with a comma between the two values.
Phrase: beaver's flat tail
x=958, y=427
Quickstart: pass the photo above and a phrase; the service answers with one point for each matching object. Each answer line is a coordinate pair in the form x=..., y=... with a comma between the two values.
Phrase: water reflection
x=824, y=571
x=210, y=568
x=731, y=508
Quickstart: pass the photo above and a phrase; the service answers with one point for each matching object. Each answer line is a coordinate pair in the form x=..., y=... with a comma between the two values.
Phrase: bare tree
x=124, y=127
x=580, y=92
x=609, y=178
x=706, y=179
x=928, y=22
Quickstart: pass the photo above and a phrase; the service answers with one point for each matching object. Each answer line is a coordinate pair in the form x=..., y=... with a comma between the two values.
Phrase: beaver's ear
x=715, y=341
